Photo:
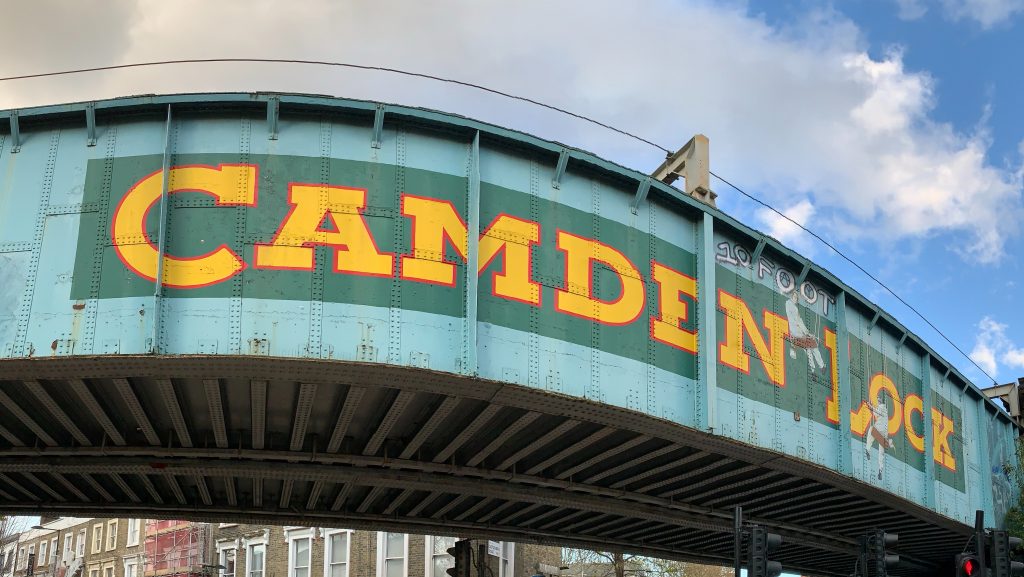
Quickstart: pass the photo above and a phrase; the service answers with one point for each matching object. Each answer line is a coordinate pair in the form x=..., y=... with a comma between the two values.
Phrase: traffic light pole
x=979, y=536
x=737, y=538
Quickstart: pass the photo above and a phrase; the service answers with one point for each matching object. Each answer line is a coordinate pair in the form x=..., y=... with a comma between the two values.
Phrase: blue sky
x=891, y=127
x=971, y=53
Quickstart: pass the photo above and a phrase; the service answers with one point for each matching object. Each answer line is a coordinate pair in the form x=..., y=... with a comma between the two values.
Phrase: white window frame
x=43, y=550
x=53, y=550
x=327, y=551
x=134, y=533
x=69, y=545
x=32, y=553
x=111, y=535
x=381, y=543
x=97, y=538
x=108, y=567
x=291, y=535
x=131, y=561
x=511, y=559
x=80, y=547
x=428, y=555
x=222, y=548
x=249, y=544
x=95, y=571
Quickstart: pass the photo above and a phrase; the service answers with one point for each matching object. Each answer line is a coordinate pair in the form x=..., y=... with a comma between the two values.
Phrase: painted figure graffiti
x=879, y=432
x=800, y=336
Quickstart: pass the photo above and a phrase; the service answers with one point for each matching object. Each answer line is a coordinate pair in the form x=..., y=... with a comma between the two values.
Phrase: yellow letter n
x=739, y=322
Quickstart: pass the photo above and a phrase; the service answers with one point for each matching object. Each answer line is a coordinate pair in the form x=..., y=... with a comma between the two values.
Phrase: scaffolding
x=176, y=549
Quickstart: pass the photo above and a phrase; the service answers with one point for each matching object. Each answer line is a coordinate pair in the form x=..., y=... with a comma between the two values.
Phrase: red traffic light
x=968, y=566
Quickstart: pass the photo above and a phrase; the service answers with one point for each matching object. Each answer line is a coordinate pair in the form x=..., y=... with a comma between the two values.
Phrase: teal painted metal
x=845, y=465
x=707, y=327
x=472, y=257
x=926, y=404
x=595, y=281
x=158, y=287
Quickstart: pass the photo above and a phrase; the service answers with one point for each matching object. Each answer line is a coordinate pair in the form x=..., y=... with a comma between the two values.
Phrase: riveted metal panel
x=788, y=361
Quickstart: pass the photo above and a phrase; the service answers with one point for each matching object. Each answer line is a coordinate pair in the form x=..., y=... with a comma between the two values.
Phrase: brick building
x=259, y=551
x=88, y=547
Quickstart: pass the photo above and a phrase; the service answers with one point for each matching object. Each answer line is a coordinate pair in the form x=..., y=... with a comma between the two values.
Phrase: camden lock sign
x=270, y=222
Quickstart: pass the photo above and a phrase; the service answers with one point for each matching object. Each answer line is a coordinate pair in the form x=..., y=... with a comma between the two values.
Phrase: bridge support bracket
x=15, y=133
x=378, y=125
x=90, y=124
x=273, y=115
x=563, y=161
x=874, y=320
x=641, y=194
x=758, y=250
x=803, y=275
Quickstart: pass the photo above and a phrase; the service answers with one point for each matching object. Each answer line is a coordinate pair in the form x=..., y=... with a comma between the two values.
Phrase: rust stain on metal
x=53, y=347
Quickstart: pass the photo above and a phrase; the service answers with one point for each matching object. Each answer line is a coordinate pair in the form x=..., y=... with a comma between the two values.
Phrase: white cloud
x=796, y=112
x=992, y=346
x=911, y=9
x=987, y=13
x=1014, y=358
x=785, y=230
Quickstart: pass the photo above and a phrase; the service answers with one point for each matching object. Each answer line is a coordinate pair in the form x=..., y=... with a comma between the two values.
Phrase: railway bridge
x=370, y=315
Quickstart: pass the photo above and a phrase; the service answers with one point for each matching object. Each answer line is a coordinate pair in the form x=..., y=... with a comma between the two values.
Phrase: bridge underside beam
x=399, y=457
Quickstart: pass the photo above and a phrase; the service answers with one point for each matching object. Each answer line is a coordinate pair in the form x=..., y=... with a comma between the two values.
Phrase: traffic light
x=884, y=561
x=1002, y=561
x=762, y=544
x=967, y=565
x=463, y=559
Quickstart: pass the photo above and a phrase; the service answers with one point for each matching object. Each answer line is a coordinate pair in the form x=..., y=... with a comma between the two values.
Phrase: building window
x=32, y=561
x=108, y=571
x=337, y=553
x=80, y=551
x=134, y=531
x=227, y=560
x=254, y=562
x=97, y=538
x=438, y=559
x=392, y=555
x=508, y=553
x=111, y=535
x=298, y=557
x=41, y=559
x=131, y=568
x=53, y=549
x=94, y=573
x=68, y=539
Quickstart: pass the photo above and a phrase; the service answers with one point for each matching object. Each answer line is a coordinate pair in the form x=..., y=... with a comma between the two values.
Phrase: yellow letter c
x=228, y=184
